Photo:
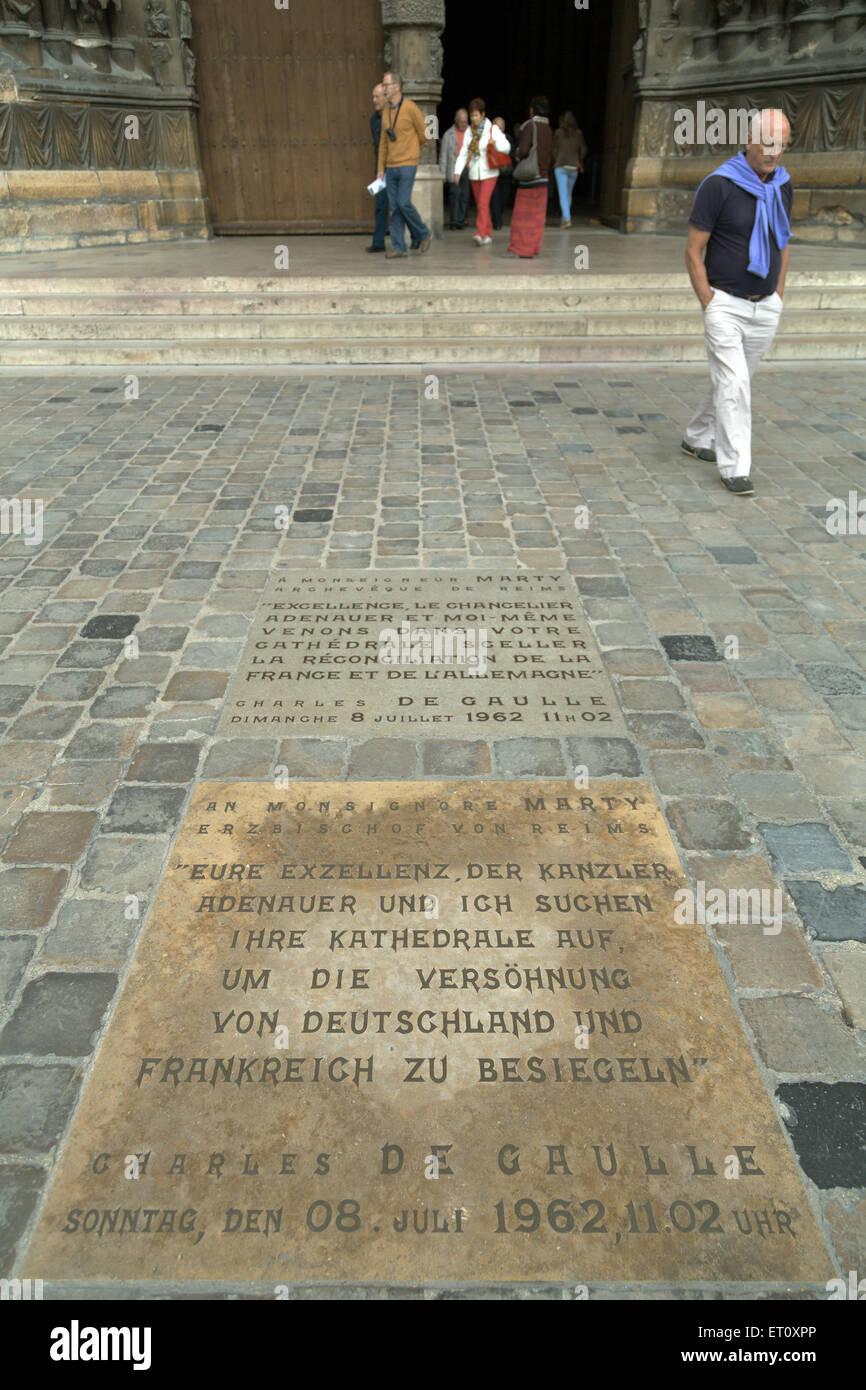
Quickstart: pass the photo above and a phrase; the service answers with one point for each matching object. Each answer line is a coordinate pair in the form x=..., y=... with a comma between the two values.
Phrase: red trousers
x=482, y=190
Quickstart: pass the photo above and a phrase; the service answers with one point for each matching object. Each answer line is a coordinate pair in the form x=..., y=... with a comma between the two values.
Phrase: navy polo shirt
x=727, y=212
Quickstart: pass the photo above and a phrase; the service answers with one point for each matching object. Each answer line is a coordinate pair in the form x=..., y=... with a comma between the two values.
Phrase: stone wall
x=807, y=58
x=98, y=138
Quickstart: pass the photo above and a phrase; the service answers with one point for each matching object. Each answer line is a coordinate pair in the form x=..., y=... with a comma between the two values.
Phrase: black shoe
x=374, y=248
x=741, y=486
x=705, y=455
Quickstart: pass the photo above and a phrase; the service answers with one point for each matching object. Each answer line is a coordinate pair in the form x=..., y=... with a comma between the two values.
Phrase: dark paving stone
x=20, y=1189
x=34, y=1106
x=85, y=655
x=835, y=680
x=313, y=758
x=528, y=757
x=124, y=702
x=455, y=758
x=110, y=625
x=50, y=837
x=195, y=569
x=28, y=897
x=100, y=742
x=600, y=587
x=91, y=932
x=164, y=762
x=604, y=757
x=702, y=823
x=144, y=810
x=382, y=759
x=809, y=847
x=59, y=1015
x=665, y=731
x=241, y=758
x=15, y=954
x=828, y=1130
x=830, y=914
x=583, y=410
x=691, y=647
x=314, y=514
x=161, y=639
x=733, y=554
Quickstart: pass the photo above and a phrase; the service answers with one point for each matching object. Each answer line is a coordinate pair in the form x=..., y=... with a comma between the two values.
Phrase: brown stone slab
x=550, y=1072
x=312, y=662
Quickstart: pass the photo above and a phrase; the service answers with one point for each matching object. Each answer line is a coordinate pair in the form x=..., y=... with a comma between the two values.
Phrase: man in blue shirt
x=741, y=220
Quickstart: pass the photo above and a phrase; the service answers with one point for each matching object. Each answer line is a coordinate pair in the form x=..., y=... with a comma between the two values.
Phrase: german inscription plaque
x=417, y=1031
x=437, y=654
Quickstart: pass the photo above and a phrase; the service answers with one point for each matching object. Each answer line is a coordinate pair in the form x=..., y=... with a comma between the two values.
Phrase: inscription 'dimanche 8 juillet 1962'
x=425, y=1031
x=442, y=655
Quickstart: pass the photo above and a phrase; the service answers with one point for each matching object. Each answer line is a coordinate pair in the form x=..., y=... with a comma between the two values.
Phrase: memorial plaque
x=416, y=1032
x=434, y=654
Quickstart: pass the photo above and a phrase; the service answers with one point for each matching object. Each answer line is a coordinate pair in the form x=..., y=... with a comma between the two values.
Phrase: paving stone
x=47, y=722
x=649, y=695
x=110, y=625
x=85, y=655
x=25, y=762
x=690, y=647
x=782, y=694
x=101, y=741
x=796, y=1035
x=28, y=897
x=635, y=661
x=59, y=1014
x=455, y=758
x=528, y=757
x=810, y=847
x=73, y=686
x=315, y=759
x=144, y=810
x=13, y=803
x=848, y=710
x=828, y=1130
x=665, y=731
x=124, y=702
x=682, y=772
x=837, y=914
x=92, y=932
x=14, y=697
x=50, y=837
x=20, y=1190
x=749, y=751
x=604, y=757
x=161, y=639
x=847, y=1222
x=164, y=762
x=35, y=1103
x=196, y=685
x=733, y=554
x=122, y=864
x=382, y=759
x=15, y=955
x=835, y=680
x=702, y=823
x=847, y=969
x=241, y=758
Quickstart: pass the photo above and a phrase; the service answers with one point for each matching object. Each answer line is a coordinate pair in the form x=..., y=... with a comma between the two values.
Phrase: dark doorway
x=509, y=52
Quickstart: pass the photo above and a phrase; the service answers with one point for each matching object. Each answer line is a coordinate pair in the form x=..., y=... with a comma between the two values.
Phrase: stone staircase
x=392, y=318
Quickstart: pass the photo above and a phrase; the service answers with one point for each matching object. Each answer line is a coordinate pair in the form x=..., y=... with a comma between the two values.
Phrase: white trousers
x=738, y=334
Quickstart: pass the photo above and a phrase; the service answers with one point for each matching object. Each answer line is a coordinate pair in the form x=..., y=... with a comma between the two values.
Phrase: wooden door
x=285, y=112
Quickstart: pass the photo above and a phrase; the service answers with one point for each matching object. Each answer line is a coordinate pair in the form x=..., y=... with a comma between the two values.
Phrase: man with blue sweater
x=742, y=219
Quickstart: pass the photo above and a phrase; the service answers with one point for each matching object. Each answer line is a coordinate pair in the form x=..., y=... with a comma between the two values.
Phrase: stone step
x=360, y=305
x=215, y=352
x=391, y=278
x=423, y=328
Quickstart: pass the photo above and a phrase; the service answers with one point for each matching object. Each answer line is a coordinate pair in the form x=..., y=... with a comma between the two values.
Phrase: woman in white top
x=481, y=176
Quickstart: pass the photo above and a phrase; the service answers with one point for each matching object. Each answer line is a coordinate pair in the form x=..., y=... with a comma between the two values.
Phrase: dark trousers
x=501, y=198
x=381, y=218
x=458, y=199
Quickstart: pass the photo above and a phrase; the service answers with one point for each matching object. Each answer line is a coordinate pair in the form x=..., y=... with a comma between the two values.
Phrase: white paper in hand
x=376, y=186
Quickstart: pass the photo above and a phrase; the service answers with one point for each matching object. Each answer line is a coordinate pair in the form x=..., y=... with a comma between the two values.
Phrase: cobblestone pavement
x=159, y=520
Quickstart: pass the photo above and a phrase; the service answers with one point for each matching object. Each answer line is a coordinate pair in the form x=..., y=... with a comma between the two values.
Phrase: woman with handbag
x=485, y=149
x=534, y=154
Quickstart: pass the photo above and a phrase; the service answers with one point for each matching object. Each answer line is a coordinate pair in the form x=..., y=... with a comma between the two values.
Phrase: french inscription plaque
x=442, y=655
x=416, y=1032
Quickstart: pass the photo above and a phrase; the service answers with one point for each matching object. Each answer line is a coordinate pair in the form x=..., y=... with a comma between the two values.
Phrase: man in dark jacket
x=381, y=227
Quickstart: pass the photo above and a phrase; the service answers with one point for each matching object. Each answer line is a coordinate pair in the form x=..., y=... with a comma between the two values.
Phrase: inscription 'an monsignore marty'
x=478, y=654
x=421, y=1031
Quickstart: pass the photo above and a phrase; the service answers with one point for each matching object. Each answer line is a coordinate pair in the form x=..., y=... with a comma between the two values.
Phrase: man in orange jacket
x=403, y=134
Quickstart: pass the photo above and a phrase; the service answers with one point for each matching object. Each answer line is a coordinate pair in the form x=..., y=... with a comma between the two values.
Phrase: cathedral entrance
x=580, y=59
x=285, y=108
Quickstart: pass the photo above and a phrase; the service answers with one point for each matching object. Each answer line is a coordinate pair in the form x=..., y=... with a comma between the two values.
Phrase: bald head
x=769, y=137
x=378, y=96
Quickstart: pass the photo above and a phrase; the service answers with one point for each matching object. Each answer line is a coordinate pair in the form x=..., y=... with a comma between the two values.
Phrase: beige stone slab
x=312, y=661
x=414, y=1032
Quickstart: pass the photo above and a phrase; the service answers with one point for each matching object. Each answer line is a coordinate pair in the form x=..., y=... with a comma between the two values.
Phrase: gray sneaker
x=705, y=455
